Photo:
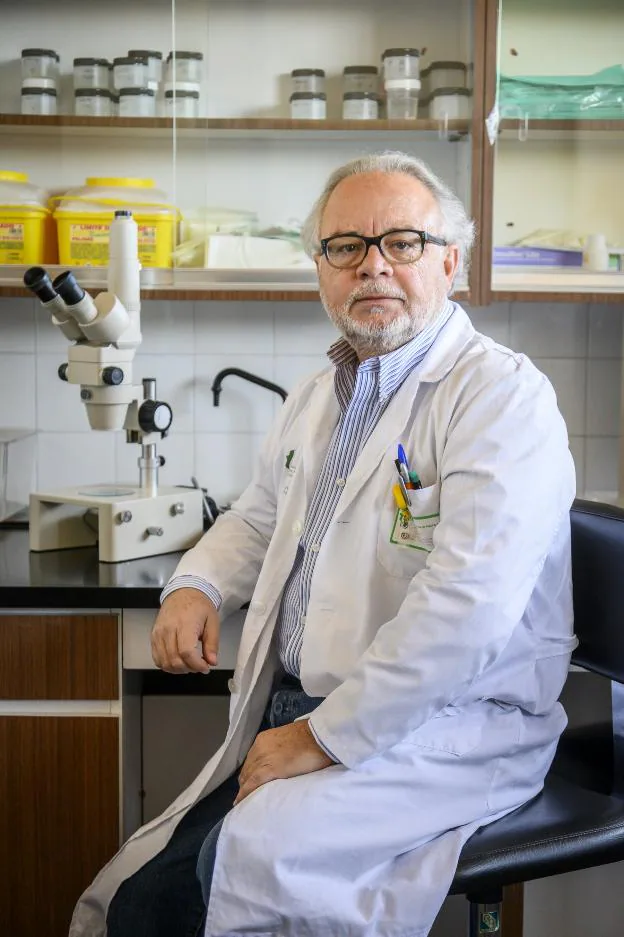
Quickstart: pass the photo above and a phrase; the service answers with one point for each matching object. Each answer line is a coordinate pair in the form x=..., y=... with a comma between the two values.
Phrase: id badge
x=414, y=532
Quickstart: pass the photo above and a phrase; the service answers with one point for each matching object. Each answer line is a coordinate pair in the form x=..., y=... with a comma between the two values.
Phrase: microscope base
x=124, y=521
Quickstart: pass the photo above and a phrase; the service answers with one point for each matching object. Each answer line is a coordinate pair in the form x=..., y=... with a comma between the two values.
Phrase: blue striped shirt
x=363, y=390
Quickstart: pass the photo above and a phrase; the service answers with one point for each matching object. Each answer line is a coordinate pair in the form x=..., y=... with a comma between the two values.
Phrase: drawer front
x=59, y=657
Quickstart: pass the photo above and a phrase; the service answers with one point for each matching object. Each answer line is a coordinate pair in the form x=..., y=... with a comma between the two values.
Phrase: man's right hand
x=185, y=636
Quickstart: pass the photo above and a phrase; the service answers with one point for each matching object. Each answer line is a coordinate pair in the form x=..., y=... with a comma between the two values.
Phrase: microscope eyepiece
x=68, y=288
x=38, y=282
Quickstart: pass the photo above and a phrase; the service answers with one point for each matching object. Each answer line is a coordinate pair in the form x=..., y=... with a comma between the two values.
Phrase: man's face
x=379, y=306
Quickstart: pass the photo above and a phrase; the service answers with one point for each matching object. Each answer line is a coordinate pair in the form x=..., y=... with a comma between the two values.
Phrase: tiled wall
x=185, y=344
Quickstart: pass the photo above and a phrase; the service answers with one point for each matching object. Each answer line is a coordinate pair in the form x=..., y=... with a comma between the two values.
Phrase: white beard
x=380, y=338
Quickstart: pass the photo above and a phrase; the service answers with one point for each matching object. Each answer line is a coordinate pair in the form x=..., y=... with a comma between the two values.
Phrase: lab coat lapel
x=320, y=422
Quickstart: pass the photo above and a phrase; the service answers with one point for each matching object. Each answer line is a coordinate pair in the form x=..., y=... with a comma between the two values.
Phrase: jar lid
x=458, y=65
x=104, y=62
x=136, y=91
x=182, y=94
x=443, y=92
x=360, y=70
x=92, y=92
x=408, y=84
x=145, y=54
x=308, y=96
x=198, y=56
x=307, y=72
x=391, y=53
x=126, y=182
x=360, y=96
x=7, y=175
x=49, y=53
x=39, y=91
x=130, y=60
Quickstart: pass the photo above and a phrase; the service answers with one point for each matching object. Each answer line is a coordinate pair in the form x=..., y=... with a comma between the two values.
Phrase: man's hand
x=281, y=753
x=185, y=636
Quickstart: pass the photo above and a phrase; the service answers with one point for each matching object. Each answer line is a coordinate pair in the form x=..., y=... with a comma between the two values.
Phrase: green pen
x=415, y=480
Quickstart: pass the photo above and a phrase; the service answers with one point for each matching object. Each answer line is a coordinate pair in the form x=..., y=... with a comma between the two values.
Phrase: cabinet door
x=58, y=657
x=59, y=816
x=554, y=167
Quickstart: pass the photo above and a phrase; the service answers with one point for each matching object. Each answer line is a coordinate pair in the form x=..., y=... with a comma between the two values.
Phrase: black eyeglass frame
x=425, y=238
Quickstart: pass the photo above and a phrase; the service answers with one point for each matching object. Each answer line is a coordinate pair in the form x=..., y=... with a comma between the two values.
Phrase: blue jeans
x=165, y=898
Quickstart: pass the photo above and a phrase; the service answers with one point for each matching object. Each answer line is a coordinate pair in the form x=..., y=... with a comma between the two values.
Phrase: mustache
x=370, y=290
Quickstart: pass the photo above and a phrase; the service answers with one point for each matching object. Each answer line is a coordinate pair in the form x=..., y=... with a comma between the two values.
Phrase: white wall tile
x=303, y=328
x=243, y=328
x=605, y=330
x=174, y=384
x=17, y=390
x=568, y=376
x=577, y=448
x=550, y=330
x=290, y=369
x=243, y=407
x=601, y=463
x=493, y=321
x=178, y=450
x=17, y=325
x=59, y=407
x=167, y=327
x=48, y=338
x=603, y=397
x=66, y=459
x=224, y=462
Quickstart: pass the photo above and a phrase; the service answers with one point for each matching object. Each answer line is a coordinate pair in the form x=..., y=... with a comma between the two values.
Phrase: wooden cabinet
x=59, y=765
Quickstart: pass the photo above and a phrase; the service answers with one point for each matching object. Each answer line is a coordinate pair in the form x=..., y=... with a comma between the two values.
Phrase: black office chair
x=575, y=822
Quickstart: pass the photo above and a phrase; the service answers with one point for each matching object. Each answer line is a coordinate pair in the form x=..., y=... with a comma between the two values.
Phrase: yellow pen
x=401, y=503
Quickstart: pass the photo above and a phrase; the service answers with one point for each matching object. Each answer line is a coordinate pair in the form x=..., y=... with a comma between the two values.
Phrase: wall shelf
x=235, y=127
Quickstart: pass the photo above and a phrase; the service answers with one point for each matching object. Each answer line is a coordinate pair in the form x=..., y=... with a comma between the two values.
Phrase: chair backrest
x=598, y=584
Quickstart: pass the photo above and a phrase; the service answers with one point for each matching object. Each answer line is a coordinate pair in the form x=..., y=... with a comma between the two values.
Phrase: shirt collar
x=392, y=368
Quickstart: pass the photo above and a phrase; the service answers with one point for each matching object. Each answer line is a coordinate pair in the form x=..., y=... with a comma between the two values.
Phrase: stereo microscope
x=125, y=521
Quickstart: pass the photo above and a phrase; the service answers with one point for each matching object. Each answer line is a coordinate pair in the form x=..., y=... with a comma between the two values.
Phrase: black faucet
x=216, y=385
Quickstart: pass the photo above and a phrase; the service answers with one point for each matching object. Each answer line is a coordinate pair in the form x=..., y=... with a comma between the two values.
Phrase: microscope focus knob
x=62, y=371
x=155, y=416
x=112, y=376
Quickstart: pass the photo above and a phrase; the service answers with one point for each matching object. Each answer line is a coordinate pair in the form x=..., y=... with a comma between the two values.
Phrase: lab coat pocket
x=405, y=540
x=457, y=732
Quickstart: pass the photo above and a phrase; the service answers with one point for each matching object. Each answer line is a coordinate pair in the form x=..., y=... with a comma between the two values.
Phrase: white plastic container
x=40, y=101
x=154, y=62
x=307, y=80
x=596, y=252
x=184, y=66
x=306, y=105
x=93, y=102
x=401, y=63
x=137, y=102
x=360, y=78
x=182, y=103
x=360, y=105
x=130, y=72
x=450, y=104
x=402, y=98
x=444, y=75
x=47, y=84
x=40, y=63
x=91, y=73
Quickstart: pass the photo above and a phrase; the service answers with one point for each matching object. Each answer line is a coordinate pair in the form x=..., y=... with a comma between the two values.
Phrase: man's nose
x=374, y=265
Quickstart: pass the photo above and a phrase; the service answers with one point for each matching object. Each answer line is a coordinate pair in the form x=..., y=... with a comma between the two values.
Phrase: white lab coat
x=441, y=667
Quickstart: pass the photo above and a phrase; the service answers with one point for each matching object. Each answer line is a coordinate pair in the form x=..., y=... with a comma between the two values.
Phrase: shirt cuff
x=320, y=743
x=193, y=582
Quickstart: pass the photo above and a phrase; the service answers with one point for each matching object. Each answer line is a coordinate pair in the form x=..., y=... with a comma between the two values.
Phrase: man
x=405, y=544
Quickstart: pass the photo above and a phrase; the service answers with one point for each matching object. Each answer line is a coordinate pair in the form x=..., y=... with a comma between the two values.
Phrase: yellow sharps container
x=27, y=233
x=84, y=216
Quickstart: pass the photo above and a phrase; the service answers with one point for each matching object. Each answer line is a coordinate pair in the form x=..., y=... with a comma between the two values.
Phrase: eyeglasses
x=401, y=246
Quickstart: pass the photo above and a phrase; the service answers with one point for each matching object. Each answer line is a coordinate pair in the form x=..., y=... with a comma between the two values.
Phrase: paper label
x=11, y=242
x=414, y=532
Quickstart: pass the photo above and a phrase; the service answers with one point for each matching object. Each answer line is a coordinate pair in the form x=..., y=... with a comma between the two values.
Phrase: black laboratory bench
x=76, y=579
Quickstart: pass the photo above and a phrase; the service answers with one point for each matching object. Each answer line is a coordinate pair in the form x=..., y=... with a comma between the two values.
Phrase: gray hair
x=457, y=227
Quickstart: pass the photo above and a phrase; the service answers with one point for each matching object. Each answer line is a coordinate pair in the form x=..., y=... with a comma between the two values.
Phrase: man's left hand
x=281, y=753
